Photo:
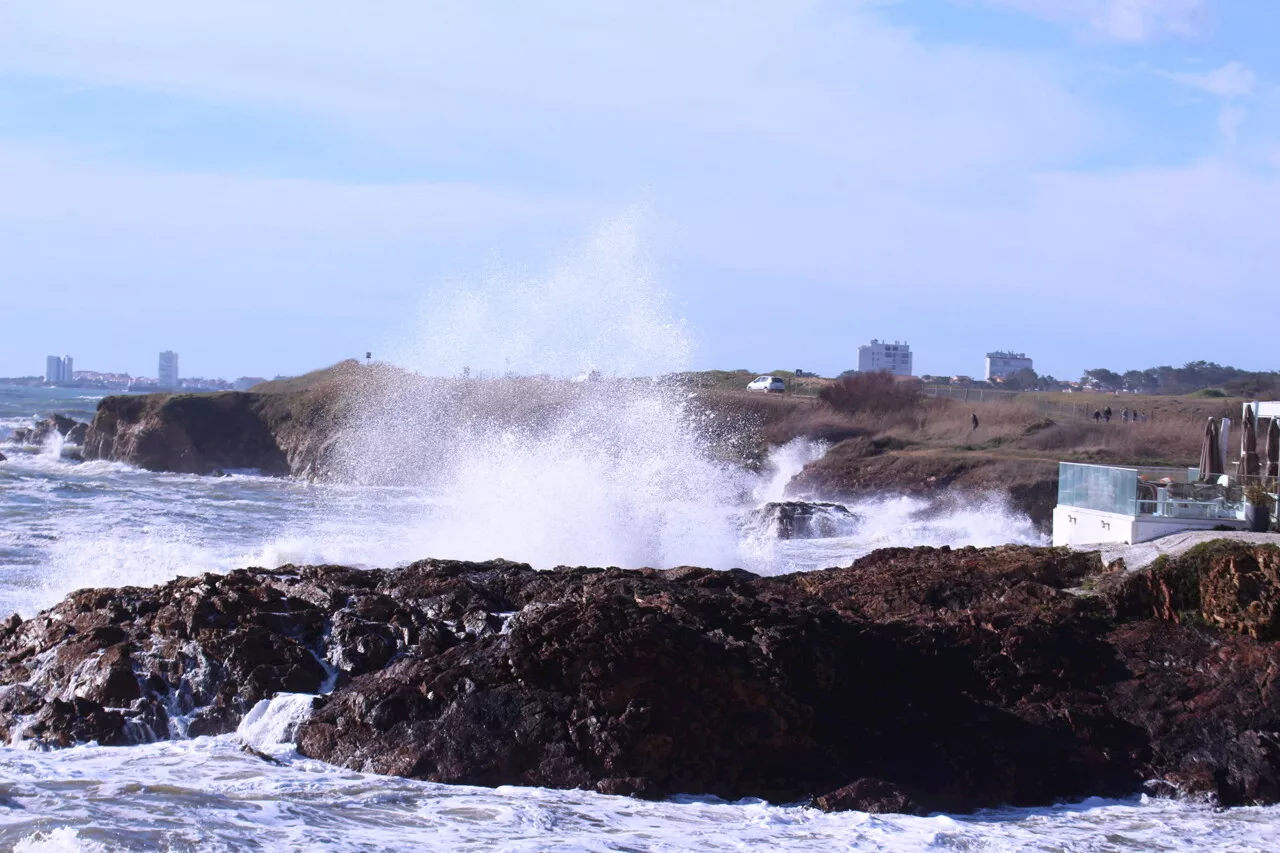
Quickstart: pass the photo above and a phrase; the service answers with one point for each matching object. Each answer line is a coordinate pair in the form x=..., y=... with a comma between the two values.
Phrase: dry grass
x=1020, y=429
x=871, y=407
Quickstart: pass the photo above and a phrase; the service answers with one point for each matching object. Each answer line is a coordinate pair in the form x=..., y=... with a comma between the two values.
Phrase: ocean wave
x=209, y=794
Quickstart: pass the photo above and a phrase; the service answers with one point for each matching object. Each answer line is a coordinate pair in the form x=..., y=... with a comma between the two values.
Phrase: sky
x=271, y=187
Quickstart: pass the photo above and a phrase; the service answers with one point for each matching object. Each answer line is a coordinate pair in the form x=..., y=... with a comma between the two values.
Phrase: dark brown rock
x=60, y=424
x=185, y=433
x=870, y=795
x=915, y=680
x=804, y=519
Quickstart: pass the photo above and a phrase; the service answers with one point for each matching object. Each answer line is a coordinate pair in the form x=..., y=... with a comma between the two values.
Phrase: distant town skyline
x=60, y=370
x=1068, y=178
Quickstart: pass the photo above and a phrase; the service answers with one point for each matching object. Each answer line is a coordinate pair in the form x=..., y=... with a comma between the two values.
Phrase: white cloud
x=1229, y=120
x=1120, y=20
x=706, y=85
x=1233, y=80
x=908, y=184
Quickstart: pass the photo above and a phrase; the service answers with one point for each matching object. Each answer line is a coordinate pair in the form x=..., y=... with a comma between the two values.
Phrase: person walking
x=1097, y=416
x=1124, y=414
x=975, y=421
x=1106, y=414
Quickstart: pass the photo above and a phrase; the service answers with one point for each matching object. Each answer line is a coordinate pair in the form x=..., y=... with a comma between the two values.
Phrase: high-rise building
x=58, y=369
x=168, y=374
x=1000, y=364
x=881, y=355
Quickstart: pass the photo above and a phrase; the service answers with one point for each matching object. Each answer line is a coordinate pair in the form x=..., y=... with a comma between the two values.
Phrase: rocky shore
x=292, y=428
x=913, y=680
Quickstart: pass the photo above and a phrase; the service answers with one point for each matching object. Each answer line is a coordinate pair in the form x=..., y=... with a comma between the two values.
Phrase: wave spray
x=535, y=413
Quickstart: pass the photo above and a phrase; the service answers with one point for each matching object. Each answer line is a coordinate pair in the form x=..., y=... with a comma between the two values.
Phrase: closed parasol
x=1210, y=457
x=1273, y=448
x=1249, y=464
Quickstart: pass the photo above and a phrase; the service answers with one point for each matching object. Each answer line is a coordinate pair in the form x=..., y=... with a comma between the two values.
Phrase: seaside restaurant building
x=1103, y=504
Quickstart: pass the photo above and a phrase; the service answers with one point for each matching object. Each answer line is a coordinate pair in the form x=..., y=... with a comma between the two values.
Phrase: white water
x=618, y=471
x=210, y=795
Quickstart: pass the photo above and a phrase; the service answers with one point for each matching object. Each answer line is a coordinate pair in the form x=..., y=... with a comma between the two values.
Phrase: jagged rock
x=804, y=519
x=71, y=430
x=914, y=680
x=870, y=795
x=61, y=424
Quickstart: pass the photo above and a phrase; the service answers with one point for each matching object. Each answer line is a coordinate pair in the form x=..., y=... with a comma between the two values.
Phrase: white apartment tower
x=1001, y=364
x=58, y=369
x=881, y=355
x=168, y=375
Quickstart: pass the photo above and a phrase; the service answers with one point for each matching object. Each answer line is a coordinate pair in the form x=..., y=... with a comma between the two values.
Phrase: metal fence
x=1066, y=409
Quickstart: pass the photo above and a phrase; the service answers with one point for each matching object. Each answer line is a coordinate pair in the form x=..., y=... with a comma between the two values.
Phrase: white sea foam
x=272, y=724
x=61, y=840
x=208, y=794
x=782, y=464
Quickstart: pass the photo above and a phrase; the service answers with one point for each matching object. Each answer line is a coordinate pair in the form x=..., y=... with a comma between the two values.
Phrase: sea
x=67, y=524
x=573, y=471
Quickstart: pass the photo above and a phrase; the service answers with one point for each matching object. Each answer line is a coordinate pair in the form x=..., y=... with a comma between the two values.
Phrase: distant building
x=881, y=355
x=168, y=369
x=58, y=369
x=1001, y=364
x=244, y=383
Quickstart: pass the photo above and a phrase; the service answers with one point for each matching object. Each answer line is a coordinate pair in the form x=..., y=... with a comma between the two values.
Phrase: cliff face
x=915, y=679
x=275, y=433
x=185, y=433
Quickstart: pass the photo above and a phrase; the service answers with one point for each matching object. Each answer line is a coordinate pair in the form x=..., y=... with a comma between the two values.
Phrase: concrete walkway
x=1145, y=553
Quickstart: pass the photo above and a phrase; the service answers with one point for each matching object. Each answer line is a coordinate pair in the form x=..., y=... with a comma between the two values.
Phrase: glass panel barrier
x=1099, y=487
x=1164, y=492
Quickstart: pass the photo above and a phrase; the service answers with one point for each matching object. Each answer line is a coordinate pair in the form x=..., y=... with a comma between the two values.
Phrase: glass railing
x=1161, y=492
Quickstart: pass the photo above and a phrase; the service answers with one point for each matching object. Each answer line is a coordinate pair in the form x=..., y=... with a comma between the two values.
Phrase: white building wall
x=878, y=355
x=1075, y=526
x=1001, y=364
x=168, y=373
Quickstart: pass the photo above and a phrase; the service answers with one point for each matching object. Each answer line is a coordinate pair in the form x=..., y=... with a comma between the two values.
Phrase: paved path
x=1145, y=553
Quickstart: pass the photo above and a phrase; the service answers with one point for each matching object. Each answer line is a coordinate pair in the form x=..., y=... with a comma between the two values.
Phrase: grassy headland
x=890, y=438
x=884, y=436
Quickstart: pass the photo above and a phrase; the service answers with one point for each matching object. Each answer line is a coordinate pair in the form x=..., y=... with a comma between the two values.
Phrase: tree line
x=1191, y=377
x=1205, y=377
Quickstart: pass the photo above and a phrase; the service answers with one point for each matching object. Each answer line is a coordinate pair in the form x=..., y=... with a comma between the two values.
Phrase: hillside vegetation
x=887, y=437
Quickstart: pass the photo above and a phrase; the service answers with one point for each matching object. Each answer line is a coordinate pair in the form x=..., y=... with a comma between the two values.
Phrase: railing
x=1159, y=492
